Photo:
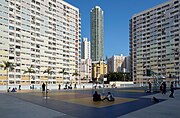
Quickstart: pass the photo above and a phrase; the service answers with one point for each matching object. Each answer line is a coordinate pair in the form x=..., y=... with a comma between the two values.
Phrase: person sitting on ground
x=9, y=89
x=66, y=86
x=70, y=86
x=96, y=96
x=109, y=97
x=13, y=90
x=155, y=100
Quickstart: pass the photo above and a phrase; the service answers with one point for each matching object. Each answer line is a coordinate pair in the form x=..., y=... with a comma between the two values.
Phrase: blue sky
x=117, y=14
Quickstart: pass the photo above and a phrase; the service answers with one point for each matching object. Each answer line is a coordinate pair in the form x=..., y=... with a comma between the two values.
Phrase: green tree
x=29, y=71
x=112, y=77
x=76, y=74
x=128, y=77
x=121, y=76
x=8, y=66
x=49, y=72
x=87, y=77
x=63, y=72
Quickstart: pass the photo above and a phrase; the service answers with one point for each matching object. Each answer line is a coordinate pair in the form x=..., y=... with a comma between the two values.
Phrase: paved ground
x=130, y=103
x=166, y=109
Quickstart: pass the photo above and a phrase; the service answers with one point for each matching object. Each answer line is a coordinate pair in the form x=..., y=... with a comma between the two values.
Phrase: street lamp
x=103, y=76
x=49, y=72
x=176, y=78
x=103, y=73
x=124, y=73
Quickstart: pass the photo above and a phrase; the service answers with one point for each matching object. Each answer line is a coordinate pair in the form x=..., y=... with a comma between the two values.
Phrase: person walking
x=172, y=90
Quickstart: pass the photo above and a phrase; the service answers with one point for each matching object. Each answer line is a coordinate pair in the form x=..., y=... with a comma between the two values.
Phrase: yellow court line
x=133, y=91
x=27, y=91
x=89, y=102
x=56, y=93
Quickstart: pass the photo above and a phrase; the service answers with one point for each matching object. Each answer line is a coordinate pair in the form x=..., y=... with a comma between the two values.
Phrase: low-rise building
x=85, y=70
x=99, y=69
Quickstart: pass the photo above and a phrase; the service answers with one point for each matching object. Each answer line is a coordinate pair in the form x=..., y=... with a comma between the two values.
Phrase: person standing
x=149, y=83
x=19, y=87
x=75, y=86
x=161, y=88
x=43, y=87
x=172, y=90
x=164, y=88
x=59, y=87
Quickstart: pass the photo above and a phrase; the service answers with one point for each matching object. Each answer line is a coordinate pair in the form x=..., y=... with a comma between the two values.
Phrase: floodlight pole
x=103, y=76
x=46, y=89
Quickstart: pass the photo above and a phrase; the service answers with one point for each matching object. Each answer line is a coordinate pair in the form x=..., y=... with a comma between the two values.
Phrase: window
x=11, y=27
x=176, y=2
x=11, y=9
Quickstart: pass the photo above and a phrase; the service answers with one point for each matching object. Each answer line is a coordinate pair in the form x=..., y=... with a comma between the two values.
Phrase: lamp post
x=103, y=76
x=103, y=73
x=176, y=78
x=158, y=75
x=49, y=71
x=124, y=73
x=102, y=59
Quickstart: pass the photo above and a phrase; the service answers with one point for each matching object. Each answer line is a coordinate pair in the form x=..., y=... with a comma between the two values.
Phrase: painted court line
x=132, y=91
x=100, y=104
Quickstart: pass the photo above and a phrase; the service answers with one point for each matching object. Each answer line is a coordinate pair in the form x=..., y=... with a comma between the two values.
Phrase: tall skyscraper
x=97, y=34
x=155, y=43
x=85, y=49
x=39, y=34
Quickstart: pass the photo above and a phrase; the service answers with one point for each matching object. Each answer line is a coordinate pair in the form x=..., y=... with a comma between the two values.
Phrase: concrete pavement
x=166, y=109
x=13, y=107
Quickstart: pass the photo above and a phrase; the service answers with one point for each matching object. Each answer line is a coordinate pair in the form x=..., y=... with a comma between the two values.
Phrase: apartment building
x=86, y=62
x=97, y=33
x=86, y=70
x=155, y=42
x=39, y=34
x=85, y=49
x=118, y=63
